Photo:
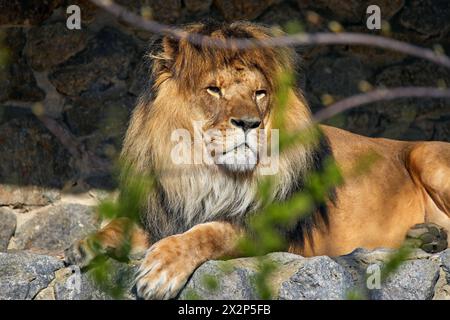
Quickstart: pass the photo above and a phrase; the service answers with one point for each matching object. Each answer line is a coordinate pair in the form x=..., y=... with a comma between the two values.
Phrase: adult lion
x=197, y=211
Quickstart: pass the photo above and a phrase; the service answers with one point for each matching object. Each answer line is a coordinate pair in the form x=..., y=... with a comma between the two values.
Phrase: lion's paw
x=80, y=253
x=429, y=237
x=164, y=270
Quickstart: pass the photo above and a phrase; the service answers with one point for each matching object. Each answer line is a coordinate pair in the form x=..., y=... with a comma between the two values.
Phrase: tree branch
x=289, y=40
x=380, y=95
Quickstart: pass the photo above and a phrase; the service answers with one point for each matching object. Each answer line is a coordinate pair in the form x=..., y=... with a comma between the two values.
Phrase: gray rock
x=198, y=5
x=281, y=15
x=374, y=57
x=17, y=195
x=442, y=289
x=18, y=12
x=7, y=227
x=167, y=11
x=414, y=280
x=44, y=41
x=445, y=261
x=72, y=284
x=351, y=11
x=442, y=129
x=293, y=278
x=88, y=10
x=238, y=10
x=24, y=275
x=55, y=228
x=29, y=276
x=234, y=281
x=17, y=81
x=99, y=69
x=109, y=117
x=428, y=17
x=317, y=278
x=339, y=77
x=418, y=73
x=33, y=158
x=405, y=118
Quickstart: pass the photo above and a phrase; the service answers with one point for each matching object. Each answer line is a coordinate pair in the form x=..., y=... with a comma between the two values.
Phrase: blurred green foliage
x=133, y=194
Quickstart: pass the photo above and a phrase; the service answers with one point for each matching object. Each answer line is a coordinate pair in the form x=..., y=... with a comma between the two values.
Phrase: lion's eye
x=214, y=91
x=259, y=94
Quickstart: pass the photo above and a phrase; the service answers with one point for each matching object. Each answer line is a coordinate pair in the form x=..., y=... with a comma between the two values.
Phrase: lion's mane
x=188, y=195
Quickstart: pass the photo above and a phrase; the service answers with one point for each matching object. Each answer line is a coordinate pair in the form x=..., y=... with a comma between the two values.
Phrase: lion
x=198, y=211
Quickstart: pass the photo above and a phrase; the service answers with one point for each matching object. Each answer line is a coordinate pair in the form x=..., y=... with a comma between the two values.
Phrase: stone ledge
x=24, y=275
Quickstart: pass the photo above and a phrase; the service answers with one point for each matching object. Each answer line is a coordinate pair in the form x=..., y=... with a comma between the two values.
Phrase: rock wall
x=421, y=277
x=66, y=96
x=88, y=80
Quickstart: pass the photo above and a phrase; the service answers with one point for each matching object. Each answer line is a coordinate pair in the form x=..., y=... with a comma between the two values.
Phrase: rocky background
x=66, y=95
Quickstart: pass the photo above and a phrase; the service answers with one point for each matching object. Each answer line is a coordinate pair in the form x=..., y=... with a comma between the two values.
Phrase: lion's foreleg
x=169, y=262
x=121, y=236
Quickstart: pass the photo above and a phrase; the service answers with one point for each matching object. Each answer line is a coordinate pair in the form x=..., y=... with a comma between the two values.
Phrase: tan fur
x=378, y=208
x=198, y=211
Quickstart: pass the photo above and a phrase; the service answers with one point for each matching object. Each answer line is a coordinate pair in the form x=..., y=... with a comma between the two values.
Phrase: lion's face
x=234, y=103
x=228, y=90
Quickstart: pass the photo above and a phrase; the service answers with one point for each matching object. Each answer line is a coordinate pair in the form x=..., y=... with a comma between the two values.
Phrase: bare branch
x=289, y=40
x=380, y=95
x=304, y=39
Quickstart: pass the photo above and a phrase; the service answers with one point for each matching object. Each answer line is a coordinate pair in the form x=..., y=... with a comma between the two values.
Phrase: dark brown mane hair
x=187, y=62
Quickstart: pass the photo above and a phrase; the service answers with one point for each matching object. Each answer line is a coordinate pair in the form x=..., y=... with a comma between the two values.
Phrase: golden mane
x=191, y=194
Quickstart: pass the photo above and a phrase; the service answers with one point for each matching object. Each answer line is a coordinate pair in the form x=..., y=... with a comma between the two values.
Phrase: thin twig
x=380, y=95
x=288, y=40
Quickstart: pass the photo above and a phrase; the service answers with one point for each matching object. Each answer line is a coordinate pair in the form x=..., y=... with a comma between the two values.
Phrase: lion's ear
x=163, y=55
x=170, y=48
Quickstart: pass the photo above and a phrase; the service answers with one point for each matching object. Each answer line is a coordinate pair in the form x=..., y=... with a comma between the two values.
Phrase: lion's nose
x=246, y=123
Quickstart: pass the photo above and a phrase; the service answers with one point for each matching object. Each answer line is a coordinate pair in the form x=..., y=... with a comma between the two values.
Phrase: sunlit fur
x=187, y=195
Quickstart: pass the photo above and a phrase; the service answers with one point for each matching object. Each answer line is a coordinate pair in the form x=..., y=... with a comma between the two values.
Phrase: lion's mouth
x=236, y=148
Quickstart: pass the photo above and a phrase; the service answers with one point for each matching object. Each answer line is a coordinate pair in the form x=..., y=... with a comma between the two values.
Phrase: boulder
x=321, y=278
x=8, y=223
x=165, y=11
x=19, y=12
x=72, y=284
x=336, y=76
x=414, y=280
x=99, y=69
x=26, y=145
x=198, y=5
x=243, y=10
x=427, y=17
x=54, y=228
x=351, y=11
x=318, y=278
x=422, y=276
x=17, y=81
x=44, y=41
x=23, y=275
